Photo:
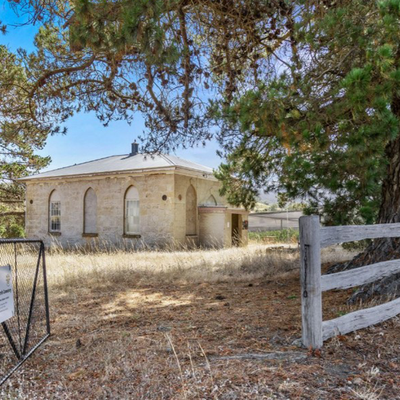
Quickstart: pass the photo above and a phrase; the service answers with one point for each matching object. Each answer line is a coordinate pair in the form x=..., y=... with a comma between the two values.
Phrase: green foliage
x=139, y=25
x=13, y=230
x=11, y=211
x=274, y=207
x=319, y=131
x=22, y=132
x=240, y=188
x=359, y=246
x=287, y=206
x=280, y=236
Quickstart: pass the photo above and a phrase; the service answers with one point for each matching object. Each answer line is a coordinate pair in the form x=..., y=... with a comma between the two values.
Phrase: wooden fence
x=313, y=237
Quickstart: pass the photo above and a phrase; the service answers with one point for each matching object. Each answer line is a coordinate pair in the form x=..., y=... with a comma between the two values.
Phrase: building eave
x=221, y=209
x=144, y=171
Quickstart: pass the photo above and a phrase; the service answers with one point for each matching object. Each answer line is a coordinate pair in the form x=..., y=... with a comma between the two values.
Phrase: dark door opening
x=235, y=230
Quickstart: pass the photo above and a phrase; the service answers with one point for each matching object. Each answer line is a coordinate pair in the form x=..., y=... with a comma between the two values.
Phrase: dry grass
x=238, y=264
x=177, y=267
x=163, y=325
x=337, y=254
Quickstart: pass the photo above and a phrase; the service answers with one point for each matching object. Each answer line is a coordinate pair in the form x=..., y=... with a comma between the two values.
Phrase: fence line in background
x=312, y=238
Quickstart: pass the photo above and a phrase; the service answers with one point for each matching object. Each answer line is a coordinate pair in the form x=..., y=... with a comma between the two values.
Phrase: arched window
x=54, y=212
x=132, y=212
x=211, y=201
x=90, y=212
x=191, y=211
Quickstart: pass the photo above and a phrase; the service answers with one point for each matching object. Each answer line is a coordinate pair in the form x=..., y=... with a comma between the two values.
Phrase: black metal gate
x=29, y=327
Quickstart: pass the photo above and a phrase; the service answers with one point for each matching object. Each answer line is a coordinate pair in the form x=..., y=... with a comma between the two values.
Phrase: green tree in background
x=20, y=136
x=327, y=128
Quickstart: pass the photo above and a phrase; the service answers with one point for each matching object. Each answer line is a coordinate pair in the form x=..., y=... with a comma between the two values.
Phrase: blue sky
x=87, y=139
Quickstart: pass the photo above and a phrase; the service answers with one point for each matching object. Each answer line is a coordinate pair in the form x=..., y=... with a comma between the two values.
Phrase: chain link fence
x=29, y=325
x=274, y=221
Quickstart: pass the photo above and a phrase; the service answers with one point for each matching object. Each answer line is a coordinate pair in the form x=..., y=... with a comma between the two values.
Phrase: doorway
x=235, y=230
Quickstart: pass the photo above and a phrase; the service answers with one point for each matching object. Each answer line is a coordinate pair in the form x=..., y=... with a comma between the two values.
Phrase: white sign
x=6, y=293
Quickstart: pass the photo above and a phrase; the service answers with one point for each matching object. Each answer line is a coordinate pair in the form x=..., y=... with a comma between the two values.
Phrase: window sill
x=128, y=236
x=88, y=235
x=55, y=233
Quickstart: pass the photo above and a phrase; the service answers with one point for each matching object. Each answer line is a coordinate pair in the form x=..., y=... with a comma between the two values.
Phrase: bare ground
x=224, y=334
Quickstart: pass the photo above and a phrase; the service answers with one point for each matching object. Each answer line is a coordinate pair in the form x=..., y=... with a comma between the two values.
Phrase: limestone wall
x=156, y=214
x=203, y=188
x=163, y=211
x=213, y=229
x=216, y=227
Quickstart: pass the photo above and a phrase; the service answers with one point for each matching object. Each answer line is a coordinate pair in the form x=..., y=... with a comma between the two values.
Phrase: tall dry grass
x=80, y=269
x=107, y=265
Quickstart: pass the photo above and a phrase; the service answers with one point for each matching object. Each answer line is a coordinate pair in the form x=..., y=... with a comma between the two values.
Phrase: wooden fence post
x=310, y=278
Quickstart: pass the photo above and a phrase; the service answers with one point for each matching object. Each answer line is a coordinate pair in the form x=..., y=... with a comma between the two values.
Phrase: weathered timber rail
x=313, y=237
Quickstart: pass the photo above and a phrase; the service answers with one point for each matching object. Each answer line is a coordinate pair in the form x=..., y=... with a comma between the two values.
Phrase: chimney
x=135, y=149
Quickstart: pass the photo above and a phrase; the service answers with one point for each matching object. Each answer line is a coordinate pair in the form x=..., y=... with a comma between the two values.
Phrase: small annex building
x=135, y=198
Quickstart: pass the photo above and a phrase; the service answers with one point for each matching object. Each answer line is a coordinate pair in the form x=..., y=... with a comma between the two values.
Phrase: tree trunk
x=387, y=248
x=389, y=212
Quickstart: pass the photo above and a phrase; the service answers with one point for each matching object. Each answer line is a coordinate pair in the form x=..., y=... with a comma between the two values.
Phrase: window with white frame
x=132, y=212
x=54, y=212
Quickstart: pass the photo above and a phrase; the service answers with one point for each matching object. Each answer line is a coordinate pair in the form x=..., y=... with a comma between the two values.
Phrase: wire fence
x=274, y=221
x=24, y=306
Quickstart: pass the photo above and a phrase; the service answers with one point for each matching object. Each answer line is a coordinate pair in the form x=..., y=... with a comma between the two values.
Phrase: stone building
x=134, y=198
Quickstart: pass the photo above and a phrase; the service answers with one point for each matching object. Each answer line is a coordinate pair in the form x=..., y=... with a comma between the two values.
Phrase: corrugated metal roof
x=120, y=164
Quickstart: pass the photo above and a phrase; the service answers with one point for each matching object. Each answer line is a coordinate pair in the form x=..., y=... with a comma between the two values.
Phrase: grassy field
x=216, y=324
x=179, y=267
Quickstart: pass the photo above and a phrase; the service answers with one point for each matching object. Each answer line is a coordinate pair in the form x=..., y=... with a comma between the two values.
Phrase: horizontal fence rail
x=351, y=233
x=360, y=276
x=312, y=239
x=360, y=319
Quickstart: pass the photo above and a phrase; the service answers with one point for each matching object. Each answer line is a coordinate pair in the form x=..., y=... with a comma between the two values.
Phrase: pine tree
x=327, y=129
x=20, y=137
x=323, y=128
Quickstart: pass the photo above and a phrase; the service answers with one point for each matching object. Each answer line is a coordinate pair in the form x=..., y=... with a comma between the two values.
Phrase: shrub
x=280, y=236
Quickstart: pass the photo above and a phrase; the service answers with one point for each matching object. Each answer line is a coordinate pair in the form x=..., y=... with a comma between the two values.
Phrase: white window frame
x=55, y=215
